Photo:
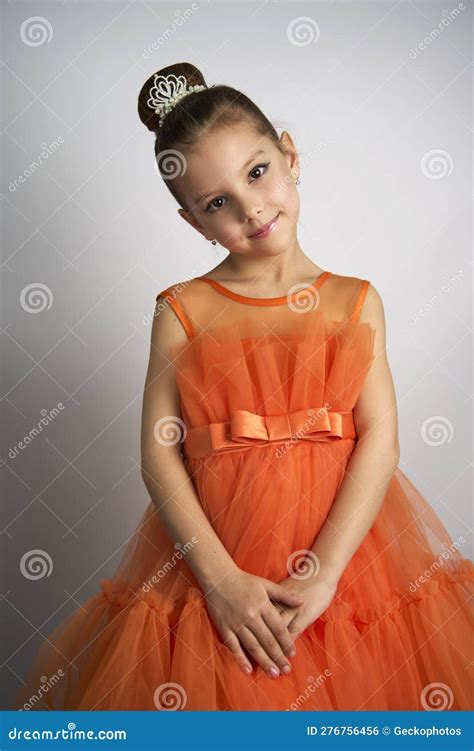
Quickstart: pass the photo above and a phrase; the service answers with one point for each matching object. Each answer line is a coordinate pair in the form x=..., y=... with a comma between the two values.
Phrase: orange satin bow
x=247, y=429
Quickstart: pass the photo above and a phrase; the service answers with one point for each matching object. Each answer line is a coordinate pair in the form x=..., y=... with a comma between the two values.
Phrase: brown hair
x=218, y=106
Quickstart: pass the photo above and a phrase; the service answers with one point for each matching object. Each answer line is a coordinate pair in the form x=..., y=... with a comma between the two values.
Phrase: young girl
x=284, y=561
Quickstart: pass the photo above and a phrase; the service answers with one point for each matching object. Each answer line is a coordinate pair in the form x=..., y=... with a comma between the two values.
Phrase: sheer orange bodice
x=293, y=327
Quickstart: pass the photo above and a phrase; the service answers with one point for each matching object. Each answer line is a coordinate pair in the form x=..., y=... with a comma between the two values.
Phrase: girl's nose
x=251, y=213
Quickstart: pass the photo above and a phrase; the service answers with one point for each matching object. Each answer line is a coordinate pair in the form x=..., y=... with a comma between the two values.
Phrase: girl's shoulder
x=362, y=300
x=350, y=293
x=187, y=299
x=345, y=283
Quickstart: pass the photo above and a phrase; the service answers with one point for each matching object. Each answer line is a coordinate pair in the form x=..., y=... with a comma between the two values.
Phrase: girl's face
x=235, y=183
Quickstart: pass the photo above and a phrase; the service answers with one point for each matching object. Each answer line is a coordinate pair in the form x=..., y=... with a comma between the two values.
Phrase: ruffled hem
x=339, y=611
x=124, y=597
x=150, y=651
x=384, y=657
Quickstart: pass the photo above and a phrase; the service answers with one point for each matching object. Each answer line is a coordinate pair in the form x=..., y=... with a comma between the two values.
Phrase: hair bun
x=146, y=113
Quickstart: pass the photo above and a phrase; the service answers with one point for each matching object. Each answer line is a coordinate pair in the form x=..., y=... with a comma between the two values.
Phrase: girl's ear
x=189, y=218
x=291, y=155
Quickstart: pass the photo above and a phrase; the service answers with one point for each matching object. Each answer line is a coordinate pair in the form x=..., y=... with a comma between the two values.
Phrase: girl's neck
x=266, y=274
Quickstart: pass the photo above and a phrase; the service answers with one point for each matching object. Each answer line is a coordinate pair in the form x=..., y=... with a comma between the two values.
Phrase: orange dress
x=267, y=389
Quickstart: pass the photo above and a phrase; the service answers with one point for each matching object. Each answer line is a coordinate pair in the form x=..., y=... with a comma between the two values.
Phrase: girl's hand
x=317, y=592
x=242, y=609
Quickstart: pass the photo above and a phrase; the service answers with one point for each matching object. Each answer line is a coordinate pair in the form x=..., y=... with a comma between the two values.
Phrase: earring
x=214, y=242
x=297, y=181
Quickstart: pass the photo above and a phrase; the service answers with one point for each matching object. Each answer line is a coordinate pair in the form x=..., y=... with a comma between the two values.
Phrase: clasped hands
x=265, y=618
x=316, y=593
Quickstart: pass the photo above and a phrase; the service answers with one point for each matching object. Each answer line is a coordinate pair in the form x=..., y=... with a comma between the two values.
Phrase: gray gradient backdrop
x=378, y=98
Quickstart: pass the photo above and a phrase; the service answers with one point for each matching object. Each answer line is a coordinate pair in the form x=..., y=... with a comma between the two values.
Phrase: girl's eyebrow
x=201, y=196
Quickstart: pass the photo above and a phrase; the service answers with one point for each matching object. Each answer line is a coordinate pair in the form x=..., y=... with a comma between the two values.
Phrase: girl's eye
x=212, y=208
x=259, y=167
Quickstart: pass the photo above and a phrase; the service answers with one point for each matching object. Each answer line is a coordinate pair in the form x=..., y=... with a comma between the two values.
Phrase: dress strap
x=364, y=286
x=171, y=298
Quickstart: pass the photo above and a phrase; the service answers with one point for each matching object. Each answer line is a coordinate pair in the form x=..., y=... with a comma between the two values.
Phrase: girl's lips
x=266, y=229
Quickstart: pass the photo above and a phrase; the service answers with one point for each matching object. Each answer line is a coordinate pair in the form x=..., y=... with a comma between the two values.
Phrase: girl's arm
x=238, y=602
x=373, y=460
x=162, y=465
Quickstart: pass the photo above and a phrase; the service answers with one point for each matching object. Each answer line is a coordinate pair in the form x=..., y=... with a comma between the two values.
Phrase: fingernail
x=247, y=668
x=274, y=672
x=286, y=668
x=292, y=652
